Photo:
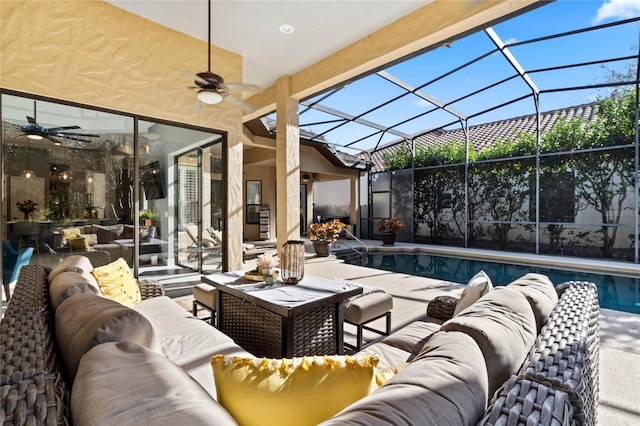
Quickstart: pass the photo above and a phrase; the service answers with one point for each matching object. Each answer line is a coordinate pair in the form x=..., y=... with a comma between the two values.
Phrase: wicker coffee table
x=282, y=320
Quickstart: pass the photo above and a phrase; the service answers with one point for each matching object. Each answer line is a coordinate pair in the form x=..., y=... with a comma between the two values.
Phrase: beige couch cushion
x=76, y=263
x=503, y=325
x=186, y=340
x=412, y=337
x=445, y=385
x=126, y=384
x=541, y=294
x=86, y=320
x=68, y=283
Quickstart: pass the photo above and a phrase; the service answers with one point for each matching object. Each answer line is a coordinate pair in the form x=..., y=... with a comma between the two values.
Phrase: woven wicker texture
x=523, y=402
x=442, y=307
x=32, y=390
x=252, y=327
x=314, y=332
x=261, y=332
x=566, y=353
x=150, y=288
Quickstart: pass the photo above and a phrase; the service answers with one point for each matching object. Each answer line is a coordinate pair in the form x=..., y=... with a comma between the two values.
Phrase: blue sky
x=557, y=17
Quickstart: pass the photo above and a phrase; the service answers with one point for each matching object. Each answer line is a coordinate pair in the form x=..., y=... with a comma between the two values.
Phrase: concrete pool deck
x=619, y=402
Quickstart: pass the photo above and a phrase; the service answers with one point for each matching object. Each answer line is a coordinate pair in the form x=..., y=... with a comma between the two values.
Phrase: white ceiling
x=250, y=28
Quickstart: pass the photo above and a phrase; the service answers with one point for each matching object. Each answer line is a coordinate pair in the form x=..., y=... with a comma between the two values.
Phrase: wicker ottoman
x=204, y=296
x=365, y=309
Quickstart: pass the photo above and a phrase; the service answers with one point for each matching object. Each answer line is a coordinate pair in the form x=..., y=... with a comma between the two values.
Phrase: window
x=254, y=200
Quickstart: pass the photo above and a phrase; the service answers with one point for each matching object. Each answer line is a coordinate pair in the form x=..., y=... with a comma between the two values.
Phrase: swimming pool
x=616, y=292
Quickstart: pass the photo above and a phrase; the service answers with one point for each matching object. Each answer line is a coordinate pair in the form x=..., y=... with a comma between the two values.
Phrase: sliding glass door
x=199, y=207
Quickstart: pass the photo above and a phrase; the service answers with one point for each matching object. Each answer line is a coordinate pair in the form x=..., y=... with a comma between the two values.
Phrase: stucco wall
x=97, y=54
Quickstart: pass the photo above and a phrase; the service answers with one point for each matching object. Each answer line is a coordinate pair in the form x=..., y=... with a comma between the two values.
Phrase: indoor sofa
x=525, y=351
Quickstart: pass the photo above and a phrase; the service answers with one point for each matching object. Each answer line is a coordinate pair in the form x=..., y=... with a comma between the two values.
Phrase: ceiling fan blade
x=239, y=103
x=57, y=129
x=239, y=87
x=194, y=77
x=84, y=135
x=75, y=139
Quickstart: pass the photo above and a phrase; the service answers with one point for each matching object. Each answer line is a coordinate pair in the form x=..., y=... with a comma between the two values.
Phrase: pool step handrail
x=353, y=237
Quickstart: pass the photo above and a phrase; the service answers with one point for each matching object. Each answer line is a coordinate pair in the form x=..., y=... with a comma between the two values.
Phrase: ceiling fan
x=212, y=88
x=35, y=131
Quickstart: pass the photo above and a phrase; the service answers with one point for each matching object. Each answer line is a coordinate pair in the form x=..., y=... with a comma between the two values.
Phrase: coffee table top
x=284, y=299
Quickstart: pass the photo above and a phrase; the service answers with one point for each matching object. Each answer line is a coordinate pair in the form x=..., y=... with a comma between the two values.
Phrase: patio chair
x=12, y=262
x=249, y=251
x=209, y=247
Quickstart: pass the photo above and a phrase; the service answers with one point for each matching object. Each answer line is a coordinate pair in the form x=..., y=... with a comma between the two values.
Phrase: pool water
x=615, y=292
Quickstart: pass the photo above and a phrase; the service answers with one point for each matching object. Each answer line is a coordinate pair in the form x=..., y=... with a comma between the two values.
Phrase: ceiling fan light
x=28, y=174
x=35, y=137
x=209, y=96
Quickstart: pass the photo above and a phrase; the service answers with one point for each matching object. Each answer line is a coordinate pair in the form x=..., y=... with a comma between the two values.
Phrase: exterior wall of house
x=97, y=54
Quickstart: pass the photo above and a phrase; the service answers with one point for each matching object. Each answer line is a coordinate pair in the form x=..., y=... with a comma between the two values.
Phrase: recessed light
x=286, y=28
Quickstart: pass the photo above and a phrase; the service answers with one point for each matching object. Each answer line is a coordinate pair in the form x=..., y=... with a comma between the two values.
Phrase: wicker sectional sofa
x=521, y=353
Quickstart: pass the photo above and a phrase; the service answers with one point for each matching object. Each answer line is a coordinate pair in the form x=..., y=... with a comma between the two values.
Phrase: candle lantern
x=292, y=262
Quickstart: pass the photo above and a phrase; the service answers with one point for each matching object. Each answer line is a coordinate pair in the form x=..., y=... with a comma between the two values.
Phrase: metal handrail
x=349, y=233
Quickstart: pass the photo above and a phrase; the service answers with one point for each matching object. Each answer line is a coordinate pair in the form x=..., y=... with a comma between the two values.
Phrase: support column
x=235, y=202
x=287, y=163
x=354, y=210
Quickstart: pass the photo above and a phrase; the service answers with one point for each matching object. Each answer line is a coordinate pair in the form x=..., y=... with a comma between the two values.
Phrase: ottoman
x=362, y=310
x=204, y=296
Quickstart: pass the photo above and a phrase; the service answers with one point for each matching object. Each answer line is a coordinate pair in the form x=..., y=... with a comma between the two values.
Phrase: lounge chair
x=249, y=251
x=208, y=248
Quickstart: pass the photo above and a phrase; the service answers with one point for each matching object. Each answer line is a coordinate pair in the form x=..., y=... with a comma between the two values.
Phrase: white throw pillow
x=478, y=286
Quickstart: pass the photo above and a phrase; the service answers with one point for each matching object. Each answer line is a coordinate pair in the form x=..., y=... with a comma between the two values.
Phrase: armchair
x=12, y=262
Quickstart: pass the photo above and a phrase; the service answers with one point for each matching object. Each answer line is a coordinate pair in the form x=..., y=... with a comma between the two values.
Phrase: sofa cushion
x=479, y=285
x=68, y=283
x=107, y=234
x=445, y=385
x=91, y=239
x=504, y=327
x=540, y=293
x=186, y=340
x=124, y=383
x=86, y=320
x=412, y=337
x=117, y=282
x=298, y=391
x=76, y=263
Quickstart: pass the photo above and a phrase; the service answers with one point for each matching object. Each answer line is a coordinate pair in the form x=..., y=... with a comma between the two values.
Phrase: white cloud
x=619, y=9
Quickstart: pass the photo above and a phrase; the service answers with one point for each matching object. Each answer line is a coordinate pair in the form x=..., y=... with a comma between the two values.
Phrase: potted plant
x=147, y=217
x=27, y=207
x=388, y=228
x=323, y=234
x=265, y=263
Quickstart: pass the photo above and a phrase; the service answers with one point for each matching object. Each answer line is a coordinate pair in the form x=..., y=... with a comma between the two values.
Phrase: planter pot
x=321, y=248
x=388, y=238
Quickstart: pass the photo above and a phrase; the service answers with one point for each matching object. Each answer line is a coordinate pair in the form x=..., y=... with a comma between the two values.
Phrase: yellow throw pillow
x=118, y=283
x=70, y=232
x=77, y=243
x=298, y=391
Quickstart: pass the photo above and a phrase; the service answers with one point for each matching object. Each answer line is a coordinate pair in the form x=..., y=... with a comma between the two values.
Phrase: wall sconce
x=306, y=177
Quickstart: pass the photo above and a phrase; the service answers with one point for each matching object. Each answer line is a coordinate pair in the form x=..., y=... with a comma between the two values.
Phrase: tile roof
x=485, y=135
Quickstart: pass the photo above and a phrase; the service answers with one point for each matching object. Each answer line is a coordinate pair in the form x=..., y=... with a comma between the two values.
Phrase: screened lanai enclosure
x=522, y=136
